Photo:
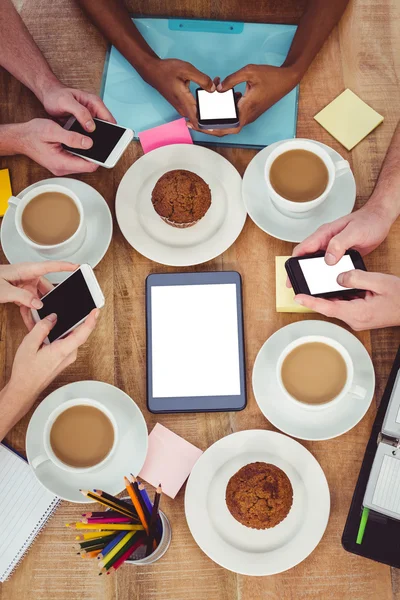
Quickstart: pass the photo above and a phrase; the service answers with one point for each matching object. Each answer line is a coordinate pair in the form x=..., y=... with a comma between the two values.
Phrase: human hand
x=363, y=230
x=265, y=85
x=36, y=364
x=172, y=77
x=379, y=308
x=24, y=283
x=60, y=101
x=42, y=139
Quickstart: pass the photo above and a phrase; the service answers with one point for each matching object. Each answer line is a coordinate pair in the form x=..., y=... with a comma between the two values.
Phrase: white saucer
x=263, y=212
x=128, y=458
x=162, y=243
x=293, y=419
x=98, y=234
x=250, y=551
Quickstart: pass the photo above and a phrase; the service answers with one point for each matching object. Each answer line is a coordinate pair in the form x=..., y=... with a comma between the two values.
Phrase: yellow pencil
x=136, y=504
x=94, y=535
x=106, y=526
x=116, y=549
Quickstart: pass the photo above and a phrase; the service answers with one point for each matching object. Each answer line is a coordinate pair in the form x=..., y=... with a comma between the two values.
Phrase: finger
x=80, y=112
x=203, y=80
x=71, y=138
x=27, y=271
x=363, y=280
x=67, y=164
x=21, y=296
x=40, y=331
x=320, y=239
x=79, y=336
x=335, y=309
x=27, y=318
x=234, y=79
x=96, y=106
x=44, y=286
x=217, y=81
x=340, y=243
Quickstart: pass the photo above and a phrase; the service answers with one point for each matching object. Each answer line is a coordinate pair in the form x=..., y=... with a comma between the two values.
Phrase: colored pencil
x=91, y=554
x=363, y=524
x=111, y=544
x=116, y=501
x=132, y=494
x=101, y=515
x=127, y=554
x=113, y=506
x=95, y=534
x=107, y=564
x=98, y=547
x=122, y=544
x=135, y=484
x=111, y=520
x=153, y=521
x=149, y=505
x=106, y=526
x=93, y=542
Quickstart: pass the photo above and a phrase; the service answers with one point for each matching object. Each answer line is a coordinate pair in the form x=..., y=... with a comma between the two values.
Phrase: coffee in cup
x=82, y=436
x=50, y=218
x=315, y=372
x=299, y=175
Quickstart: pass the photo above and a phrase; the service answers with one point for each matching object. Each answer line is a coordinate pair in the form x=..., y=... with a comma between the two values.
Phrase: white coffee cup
x=349, y=388
x=335, y=169
x=63, y=249
x=49, y=455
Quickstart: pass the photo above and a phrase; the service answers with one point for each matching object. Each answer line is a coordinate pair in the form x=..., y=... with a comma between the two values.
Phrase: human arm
x=36, y=365
x=367, y=227
x=267, y=84
x=171, y=77
x=379, y=308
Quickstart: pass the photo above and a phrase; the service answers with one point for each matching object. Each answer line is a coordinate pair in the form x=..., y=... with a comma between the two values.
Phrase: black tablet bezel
x=299, y=282
x=195, y=403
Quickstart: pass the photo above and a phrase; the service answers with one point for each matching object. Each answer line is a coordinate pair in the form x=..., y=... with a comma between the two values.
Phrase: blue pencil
x=149, y=505
x=111, y=545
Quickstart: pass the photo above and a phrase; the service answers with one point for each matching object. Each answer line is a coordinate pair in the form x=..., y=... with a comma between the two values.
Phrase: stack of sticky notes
x=169, y=460
x=284, y=295
x=5, y=190
x=349, y=119
x=175, y=132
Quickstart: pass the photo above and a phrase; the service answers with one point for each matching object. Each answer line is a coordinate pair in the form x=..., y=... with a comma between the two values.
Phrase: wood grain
x=362, y=53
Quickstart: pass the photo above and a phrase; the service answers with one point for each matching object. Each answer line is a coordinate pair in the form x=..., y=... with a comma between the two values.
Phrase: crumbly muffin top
x=181, y=196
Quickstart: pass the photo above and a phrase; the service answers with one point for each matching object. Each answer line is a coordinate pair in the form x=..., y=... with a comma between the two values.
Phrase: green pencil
x=363, y=524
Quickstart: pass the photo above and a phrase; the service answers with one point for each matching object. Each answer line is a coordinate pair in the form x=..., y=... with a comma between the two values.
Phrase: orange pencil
x=131, y=491
x=91, y=554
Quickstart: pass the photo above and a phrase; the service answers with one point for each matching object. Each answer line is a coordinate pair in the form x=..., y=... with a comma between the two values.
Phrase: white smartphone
x=109, y=142
x=217, y=110
x=72, y=301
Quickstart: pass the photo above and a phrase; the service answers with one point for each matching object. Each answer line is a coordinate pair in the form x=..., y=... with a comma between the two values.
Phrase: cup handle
x=358, y=391
x=341, y=167
x=38, y=460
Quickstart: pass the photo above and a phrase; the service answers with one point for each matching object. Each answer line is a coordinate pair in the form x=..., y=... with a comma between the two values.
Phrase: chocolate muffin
x=259, y=495
x=181, y=198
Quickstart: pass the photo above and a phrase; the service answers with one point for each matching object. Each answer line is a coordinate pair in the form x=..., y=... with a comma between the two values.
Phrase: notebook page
x=387, y=490
x=24, y=508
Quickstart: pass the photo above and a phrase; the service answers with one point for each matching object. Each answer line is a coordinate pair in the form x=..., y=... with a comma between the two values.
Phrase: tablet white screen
x=195, y=345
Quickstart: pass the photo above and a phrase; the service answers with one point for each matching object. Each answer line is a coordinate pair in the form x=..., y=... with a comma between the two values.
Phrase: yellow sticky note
x=349, y=119
x=5, y=190
x=284, y=295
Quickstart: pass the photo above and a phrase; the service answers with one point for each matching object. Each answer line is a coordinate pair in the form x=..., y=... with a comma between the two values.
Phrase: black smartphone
x=311, y=275
x=217, y=110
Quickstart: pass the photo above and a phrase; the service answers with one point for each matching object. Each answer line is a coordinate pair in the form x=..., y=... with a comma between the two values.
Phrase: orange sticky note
x=5, y=190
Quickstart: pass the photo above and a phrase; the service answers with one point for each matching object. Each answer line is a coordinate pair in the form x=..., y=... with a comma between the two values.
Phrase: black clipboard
x=381, y=540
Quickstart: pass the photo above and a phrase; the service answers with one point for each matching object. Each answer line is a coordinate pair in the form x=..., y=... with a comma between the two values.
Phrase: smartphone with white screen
x=311, y=275
x=109, y=142
x=72, y=301
x=217, y=110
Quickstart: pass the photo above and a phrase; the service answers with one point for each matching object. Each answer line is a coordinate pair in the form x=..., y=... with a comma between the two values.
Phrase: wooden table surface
x=363, y=53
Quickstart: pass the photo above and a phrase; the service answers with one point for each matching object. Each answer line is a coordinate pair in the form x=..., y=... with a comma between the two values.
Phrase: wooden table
x=362, y=53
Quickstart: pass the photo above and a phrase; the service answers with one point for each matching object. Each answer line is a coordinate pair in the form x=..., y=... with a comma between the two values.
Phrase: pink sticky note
x=175, y=132
x=169, y=460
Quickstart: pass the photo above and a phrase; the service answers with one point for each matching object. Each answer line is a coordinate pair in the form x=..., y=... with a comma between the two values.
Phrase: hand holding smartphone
x=217, y=110
x=72, y=301
x=109, y=142
x=312, y=276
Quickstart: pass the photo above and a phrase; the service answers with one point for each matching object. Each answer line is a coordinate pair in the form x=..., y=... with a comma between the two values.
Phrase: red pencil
x=110, y=520
x=127, y=554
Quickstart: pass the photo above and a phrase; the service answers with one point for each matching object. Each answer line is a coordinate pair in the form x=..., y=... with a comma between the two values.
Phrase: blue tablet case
x=217, y=48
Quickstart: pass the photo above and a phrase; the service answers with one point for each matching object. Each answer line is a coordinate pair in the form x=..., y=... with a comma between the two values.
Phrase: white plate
x=98, y=234
x=263, y=212
x=158, y=241
x=241, y=549
x=128, y=458
x=294, y=419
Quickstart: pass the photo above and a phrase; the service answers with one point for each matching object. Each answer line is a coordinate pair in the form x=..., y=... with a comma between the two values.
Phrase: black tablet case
x=381, y=540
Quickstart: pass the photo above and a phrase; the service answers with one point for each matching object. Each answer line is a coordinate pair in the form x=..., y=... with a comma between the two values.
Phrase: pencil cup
x=159, y=551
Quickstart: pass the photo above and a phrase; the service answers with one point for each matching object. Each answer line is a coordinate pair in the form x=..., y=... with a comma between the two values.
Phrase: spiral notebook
x=25, y=507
